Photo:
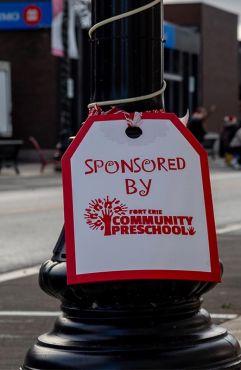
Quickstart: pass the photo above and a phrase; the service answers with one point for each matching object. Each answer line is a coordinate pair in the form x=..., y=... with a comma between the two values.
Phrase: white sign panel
x=138, y=208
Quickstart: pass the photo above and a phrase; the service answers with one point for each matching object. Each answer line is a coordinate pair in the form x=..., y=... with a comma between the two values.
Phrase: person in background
x=235, y=150
x=228, y=132
x=197, y=122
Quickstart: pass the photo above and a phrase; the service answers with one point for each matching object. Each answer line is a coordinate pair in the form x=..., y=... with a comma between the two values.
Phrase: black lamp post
x=128, y=324
x=127, y=55
x=73, y=75
x=65, y=73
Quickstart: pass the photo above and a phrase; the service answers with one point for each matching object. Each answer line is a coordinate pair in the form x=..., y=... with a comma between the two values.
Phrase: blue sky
x=233, y=6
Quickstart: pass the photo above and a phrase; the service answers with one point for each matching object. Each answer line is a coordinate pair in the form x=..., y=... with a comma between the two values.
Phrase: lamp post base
x=140, y=326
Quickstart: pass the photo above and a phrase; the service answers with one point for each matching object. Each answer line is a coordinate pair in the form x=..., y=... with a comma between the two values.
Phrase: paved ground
x=26, y=312
x=29, y=178
x=18, y=333
x=31, y=212
x=34, y=308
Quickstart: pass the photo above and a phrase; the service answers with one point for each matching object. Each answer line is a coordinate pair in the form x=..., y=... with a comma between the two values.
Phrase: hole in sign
x=133, y=132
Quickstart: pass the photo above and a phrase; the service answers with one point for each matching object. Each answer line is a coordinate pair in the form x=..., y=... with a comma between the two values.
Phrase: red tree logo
x=101, y=211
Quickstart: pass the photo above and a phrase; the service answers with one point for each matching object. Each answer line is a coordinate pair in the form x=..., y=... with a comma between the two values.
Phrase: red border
x=73, y=278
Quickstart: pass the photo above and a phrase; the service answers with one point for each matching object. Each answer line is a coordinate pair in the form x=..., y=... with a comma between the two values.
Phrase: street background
x=44, y=96
x=31, y=211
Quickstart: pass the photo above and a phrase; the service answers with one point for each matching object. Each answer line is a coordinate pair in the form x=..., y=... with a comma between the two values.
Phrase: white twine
x=130, y=100
x=114, y=19
x=136, y=121
x=123, y=15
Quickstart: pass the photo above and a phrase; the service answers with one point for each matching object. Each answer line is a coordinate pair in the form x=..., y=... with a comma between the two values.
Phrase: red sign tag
x=138, y=208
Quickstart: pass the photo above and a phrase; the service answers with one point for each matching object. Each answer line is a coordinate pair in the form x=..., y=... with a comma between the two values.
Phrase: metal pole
x=130, y=325
x=65, y=73
x=127, y=55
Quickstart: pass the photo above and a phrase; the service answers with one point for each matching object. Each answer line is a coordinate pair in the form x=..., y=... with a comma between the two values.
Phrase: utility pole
x=73, y=74
x=127, y=55
x=137, y=324
x=65, y=73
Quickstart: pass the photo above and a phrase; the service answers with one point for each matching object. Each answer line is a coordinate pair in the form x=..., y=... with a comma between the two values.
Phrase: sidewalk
x=234, y=327
x=26, y=312
x=34, y=314
x=218, y=165
x=29, y=177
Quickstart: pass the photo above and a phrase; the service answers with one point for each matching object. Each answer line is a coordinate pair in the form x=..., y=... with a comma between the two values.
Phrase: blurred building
x=25, y=44
x=201, y=65
x=35, y=74
x=181, y=65
x=215, y=75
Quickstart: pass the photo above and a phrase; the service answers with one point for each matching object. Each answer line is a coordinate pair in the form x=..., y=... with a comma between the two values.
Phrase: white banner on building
x=56, y=35
x=77, y=8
